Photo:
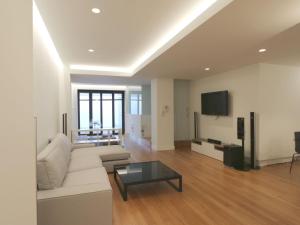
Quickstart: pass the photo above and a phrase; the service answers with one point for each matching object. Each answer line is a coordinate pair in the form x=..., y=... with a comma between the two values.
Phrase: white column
x=18, y=154
x=162, y=114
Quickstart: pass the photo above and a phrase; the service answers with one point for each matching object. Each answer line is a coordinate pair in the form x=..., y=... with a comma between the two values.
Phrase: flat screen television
x=215, y=103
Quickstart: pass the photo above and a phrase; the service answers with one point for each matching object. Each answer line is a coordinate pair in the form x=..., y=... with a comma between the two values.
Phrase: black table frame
x=123, y=190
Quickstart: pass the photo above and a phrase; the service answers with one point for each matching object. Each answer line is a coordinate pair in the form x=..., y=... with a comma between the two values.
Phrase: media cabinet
x=230, y=154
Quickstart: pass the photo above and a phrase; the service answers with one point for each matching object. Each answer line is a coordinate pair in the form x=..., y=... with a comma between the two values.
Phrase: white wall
x=146, y=100
x=49, y=82
x=65, y=99
x=162, y=114
x=243, y=91
x=146, y=111
x=17, y=161
x=272, y=91
x=279, y=99
x=181, y=110
x=46, y=86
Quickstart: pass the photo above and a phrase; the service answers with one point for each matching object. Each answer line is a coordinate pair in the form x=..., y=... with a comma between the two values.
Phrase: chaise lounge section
x=73, y=185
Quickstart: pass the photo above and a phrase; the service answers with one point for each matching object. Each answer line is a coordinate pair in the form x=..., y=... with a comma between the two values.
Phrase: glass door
x=100, y=109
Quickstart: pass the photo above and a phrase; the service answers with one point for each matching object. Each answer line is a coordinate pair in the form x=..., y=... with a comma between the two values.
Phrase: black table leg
x=179, y=188
x=123, y=190
x=180, y=184
x=125, y=193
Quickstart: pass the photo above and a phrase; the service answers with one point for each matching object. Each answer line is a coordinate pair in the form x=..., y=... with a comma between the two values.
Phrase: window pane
x=107, y=96
x=118, y=114
x=140, y=107
x=84, y=111
x=134, y=97
x=96, y=96
x=96, y=111
x=107, y=113
x=84, y=96
x=118, y=96
x=134, y=107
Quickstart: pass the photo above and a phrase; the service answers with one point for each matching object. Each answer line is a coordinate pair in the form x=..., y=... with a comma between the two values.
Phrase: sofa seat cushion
x=114, y=153
x=83, y=152
x=86, y=177
x=106, y=153
x=109, y=165
x=85, y=162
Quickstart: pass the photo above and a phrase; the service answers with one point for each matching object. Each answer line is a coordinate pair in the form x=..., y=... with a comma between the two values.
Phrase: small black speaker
x=240, y=128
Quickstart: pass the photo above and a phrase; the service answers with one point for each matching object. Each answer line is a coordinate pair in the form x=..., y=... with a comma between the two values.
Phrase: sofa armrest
x=77, y=205
x=86, y=145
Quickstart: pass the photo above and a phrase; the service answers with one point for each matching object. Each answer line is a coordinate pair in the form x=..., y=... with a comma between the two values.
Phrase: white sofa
x=73, y=185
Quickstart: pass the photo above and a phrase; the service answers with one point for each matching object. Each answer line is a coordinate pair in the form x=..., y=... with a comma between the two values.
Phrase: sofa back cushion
x=53, y=163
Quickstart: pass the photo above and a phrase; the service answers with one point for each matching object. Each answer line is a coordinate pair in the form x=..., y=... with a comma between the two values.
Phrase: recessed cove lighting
x=96, y=10
x=91, y=50
x=207, y=69
x=107, y=70
x=262, y=50
x=201, y=12
x=41, y=29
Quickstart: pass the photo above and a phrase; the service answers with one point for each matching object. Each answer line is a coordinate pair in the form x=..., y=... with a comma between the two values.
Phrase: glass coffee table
x=144, y=172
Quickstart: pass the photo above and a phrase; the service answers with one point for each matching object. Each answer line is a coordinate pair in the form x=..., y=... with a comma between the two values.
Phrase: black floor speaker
x=65, y=123
x=196, y=125
x=252, y=140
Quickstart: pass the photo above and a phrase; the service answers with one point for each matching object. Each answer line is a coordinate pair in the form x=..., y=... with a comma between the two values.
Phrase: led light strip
x=41, y=29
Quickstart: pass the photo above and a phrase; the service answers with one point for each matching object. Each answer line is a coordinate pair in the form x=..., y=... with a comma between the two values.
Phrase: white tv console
x=208, y=149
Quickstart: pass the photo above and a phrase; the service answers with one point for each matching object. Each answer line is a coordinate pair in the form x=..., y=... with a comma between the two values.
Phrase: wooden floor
x=212, y=194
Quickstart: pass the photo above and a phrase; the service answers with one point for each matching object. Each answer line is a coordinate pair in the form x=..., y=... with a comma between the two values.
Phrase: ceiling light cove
x=102, y=70
x=96, y=10
x=41, y=29
x=91, y=50
x=207, y=69
x=201, y=12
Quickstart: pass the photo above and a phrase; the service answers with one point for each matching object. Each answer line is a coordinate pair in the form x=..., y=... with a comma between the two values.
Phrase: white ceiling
x=226, y=37
x=231, y=39
x=123, y=33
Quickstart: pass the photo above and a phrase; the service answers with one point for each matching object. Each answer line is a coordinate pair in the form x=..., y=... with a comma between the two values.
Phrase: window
x=100, y=109
x=84, y=111
x=118, y=108
x=136, y=103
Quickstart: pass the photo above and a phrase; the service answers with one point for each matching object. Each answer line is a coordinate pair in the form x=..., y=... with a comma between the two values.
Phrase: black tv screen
x=215, y=103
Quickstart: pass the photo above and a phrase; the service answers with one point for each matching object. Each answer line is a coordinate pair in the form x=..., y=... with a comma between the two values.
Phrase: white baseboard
x=268, y=162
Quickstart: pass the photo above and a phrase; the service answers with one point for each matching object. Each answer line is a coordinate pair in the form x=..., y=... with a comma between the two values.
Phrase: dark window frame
x=91, y=92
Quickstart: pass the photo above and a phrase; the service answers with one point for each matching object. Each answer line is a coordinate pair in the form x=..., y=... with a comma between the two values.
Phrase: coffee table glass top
x=145, y=172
